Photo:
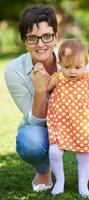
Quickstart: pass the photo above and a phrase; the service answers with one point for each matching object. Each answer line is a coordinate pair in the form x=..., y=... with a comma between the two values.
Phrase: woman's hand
x=40, y=78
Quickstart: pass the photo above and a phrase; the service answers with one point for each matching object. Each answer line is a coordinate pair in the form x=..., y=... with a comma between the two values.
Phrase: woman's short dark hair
x=36, y=14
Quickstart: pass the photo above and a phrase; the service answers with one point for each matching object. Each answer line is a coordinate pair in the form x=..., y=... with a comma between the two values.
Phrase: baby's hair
x=71, y=51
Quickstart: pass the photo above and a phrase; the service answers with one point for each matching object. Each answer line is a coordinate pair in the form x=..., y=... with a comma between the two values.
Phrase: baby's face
x=73, y=67
x=73, y=72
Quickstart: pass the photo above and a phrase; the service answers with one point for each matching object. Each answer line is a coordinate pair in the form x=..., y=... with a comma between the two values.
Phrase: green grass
x=16, y=175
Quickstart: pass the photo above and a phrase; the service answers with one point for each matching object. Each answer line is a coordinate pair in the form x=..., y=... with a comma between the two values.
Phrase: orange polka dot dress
x=68, y=114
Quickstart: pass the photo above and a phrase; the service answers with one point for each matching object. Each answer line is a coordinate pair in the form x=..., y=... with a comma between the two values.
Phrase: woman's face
x=41, y=52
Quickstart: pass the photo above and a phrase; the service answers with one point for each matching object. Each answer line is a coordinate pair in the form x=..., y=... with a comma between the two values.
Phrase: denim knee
x=32, y=144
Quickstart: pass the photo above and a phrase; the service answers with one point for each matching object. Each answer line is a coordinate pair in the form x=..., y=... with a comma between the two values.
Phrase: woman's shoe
x=40, y=187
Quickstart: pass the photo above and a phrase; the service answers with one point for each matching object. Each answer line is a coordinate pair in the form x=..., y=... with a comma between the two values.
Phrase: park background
x=16, y=175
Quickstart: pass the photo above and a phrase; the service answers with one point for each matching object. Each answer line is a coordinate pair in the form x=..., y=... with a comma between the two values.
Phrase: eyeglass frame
x=40, y=37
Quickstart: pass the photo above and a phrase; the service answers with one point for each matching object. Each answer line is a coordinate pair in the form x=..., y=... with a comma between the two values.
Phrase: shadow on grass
x=16, y=180
x=16, y=177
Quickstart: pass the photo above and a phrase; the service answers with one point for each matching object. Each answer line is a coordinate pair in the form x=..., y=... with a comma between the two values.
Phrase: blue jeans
x=32, y=146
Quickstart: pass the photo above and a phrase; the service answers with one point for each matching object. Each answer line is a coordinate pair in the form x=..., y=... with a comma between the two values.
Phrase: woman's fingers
x=40, y=79
x=38, y=67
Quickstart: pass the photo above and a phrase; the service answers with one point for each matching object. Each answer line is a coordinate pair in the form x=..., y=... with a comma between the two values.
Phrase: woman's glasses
x=46, y=38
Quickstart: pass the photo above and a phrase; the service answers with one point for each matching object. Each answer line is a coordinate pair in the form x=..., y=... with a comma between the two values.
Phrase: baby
x=68, y=114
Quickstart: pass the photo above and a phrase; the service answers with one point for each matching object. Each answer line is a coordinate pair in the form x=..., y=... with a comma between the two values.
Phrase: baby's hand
x=52, y=82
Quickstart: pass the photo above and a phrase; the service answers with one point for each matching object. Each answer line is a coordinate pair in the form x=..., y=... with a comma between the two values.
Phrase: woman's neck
x=51, y=65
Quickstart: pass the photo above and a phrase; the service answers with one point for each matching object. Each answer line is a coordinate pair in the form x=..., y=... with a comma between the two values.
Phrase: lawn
x=16, y=175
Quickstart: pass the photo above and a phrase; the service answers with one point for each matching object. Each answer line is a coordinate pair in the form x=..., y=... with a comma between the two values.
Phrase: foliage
x=11, y=9
x=72, y=18
x=79, y=10
x=83, y=23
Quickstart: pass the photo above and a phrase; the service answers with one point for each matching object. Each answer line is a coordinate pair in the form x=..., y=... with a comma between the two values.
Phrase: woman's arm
x=20, y=87
x=40, y=80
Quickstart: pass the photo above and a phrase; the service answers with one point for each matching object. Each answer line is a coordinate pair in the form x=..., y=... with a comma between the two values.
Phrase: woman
x=27, y=78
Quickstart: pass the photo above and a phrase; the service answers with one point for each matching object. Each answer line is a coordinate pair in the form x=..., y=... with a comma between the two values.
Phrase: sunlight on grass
x=4, y=62
x=10, y=117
